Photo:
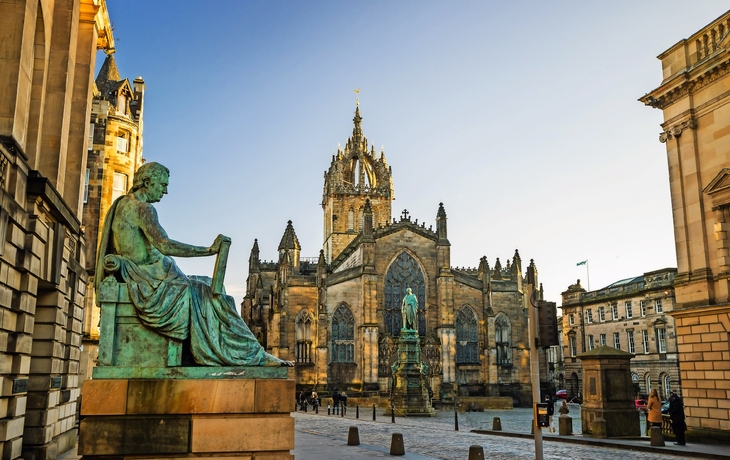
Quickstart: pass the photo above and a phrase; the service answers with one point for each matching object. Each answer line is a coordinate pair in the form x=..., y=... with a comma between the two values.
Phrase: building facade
x=694, y=97
x=633, y=315
x=114, y=153
x=46, y=65
x=338, y=316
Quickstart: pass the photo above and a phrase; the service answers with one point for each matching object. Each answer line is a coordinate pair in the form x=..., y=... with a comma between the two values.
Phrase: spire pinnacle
x=357, y=130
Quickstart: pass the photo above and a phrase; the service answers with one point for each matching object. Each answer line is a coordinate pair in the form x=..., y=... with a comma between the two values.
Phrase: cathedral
x=338, y=317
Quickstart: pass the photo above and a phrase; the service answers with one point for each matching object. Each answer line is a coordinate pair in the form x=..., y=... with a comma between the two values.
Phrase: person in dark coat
x=676, y=413
x=551, y=413
x=336, y=400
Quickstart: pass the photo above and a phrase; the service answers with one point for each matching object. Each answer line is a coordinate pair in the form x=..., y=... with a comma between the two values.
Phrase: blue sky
x=521, y=117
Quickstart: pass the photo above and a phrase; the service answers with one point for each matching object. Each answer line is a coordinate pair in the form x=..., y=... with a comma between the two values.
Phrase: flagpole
x=588, y=277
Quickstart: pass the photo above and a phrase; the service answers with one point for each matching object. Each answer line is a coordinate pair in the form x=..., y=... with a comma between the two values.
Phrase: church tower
x=355, y=175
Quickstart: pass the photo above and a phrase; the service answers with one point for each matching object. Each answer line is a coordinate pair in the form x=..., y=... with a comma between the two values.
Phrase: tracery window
x=351, y=220
x=502, y=338
x=467, y=341
x=303, y=331
x=402, y=274
x=343, y=335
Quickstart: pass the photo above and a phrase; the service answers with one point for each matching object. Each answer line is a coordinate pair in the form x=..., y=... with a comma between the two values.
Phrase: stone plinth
x=410, y=393
x=189, y=417
x=608, y=394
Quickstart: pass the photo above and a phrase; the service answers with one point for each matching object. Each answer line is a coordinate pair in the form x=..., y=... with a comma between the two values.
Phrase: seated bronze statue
x=186, y=308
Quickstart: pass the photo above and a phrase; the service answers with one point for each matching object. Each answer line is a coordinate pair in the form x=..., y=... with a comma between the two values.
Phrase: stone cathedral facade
x=338, y=316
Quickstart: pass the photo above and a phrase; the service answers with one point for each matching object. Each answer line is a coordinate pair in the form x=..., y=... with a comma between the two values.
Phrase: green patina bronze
x=152, y=314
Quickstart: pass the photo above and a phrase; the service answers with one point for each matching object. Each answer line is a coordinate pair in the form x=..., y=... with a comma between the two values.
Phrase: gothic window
x=351, y=220
x=303, y=331
x=467, y=342
x=343, y=335
x=502, y=338
x=402, y=274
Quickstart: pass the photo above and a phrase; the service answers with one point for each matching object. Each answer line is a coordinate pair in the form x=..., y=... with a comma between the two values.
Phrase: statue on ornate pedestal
x=409, y=310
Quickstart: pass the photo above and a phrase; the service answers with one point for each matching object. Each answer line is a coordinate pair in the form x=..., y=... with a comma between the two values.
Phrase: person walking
x=336, y=401
x=676, y=413
x=343, y=403
x=551, y=413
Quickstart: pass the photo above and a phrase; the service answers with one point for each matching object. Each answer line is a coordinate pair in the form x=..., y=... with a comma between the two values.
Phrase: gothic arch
x=343, y=335
x=467, y=337
x=303, y=325
x=503, y=339
x=403, y=272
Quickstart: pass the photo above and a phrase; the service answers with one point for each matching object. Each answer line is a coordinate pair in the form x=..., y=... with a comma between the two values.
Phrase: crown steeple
x=357, y=130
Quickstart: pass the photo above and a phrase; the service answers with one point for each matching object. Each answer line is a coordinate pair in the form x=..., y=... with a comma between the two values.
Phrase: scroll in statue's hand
x=216, y=247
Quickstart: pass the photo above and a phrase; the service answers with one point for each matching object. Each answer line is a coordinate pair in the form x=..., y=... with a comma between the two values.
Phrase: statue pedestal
x=193, y=416
x=410, y=387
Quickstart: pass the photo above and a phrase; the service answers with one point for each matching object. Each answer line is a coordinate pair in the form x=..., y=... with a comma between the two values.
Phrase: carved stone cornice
x=691, y=85
x=676, y=130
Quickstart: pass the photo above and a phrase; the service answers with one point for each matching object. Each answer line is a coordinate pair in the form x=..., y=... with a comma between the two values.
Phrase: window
x=402, y=274
x=658, y=306
x=590, y=342
x=648, y=383
x=603, y=340
x=573, y=347
x=645, y=340
x=630, y=337
x=350, y=220
x=571, y=321
x=467, y=343
x=617, y=340
x=629, y=310
x=343, y=335
x=502, y=338
x=86, y=186
x=661, y=337
x=642, y=304
x=667, y=383
x=119, y=187
x=123, y=142
x=122, y=104
x=303, y=331
x=90, y=139
x=589, y=316
x=601, y=314
x=614, y=311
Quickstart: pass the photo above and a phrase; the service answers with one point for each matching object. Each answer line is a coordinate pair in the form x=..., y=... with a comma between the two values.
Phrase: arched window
x=351, y=220
x=467, y=342
x=666, y=385
x=502, y=338
x=343, y=336
x=303, y=331
x=402, y=274
x=647, y=380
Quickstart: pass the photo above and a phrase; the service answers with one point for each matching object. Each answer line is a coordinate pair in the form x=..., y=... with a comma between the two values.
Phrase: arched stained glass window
x=303, y=330
x=502, y=339
x=402, y=274
x=467, y=341
x=343, y=336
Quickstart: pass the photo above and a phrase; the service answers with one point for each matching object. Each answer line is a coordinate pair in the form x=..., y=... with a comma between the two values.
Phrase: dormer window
x=122, y=104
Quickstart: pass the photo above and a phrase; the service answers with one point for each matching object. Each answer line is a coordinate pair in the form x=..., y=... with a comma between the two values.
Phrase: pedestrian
x=564, y=408
x=551, y=413
x=676, y=413
x=343, y=402
x=654, y=410
x=315, y=398
x=301, y=400
x=336, y=401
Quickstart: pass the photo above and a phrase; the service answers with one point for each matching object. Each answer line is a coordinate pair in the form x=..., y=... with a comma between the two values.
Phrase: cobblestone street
x=436, y=437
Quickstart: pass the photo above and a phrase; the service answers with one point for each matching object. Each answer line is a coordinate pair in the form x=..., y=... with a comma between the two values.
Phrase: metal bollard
x=353, y=437
x=328, y=408
x=357, y=410
x=373, y=412
x=392, y=416
x=456, y=419
x=306, y=405
x=396, y=445
x=476, y=453
x=316, y=407
x=497, y=424
x=342, y=411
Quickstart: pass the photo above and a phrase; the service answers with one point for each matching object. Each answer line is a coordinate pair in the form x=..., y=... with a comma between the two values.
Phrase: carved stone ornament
x=676, y=130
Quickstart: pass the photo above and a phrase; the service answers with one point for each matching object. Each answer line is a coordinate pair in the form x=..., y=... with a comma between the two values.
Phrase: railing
x=707, y=43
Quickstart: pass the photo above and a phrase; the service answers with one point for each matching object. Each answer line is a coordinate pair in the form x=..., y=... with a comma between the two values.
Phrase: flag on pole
x=581, y=263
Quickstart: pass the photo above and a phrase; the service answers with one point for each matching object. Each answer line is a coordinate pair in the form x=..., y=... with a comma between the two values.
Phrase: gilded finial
x=357, y=98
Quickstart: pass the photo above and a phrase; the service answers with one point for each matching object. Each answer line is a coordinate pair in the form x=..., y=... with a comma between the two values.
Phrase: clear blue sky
x=521, y=117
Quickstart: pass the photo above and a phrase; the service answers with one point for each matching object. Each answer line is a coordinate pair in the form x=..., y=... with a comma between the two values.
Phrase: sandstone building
x=114, y=153
x=633, y=315
x=46, y=65
x=694, y=97
x=338, y=316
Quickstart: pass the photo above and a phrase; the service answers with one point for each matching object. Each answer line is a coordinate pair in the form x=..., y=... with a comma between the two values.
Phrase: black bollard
x=342, y=412
x=328, y=408
x=476, y=453
x=353, y=437
x=305, y=406
x=456, y=419
x=357, y=410
x=396, y=445
x=316, y=407
x=392, y=413
x=373, y=412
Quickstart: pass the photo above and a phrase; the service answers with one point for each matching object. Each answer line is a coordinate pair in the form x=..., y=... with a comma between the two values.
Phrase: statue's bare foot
x=273, y=361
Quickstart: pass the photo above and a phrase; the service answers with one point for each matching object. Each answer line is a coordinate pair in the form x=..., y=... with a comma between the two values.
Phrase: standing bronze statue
x=409, y=310
x=166, y=300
